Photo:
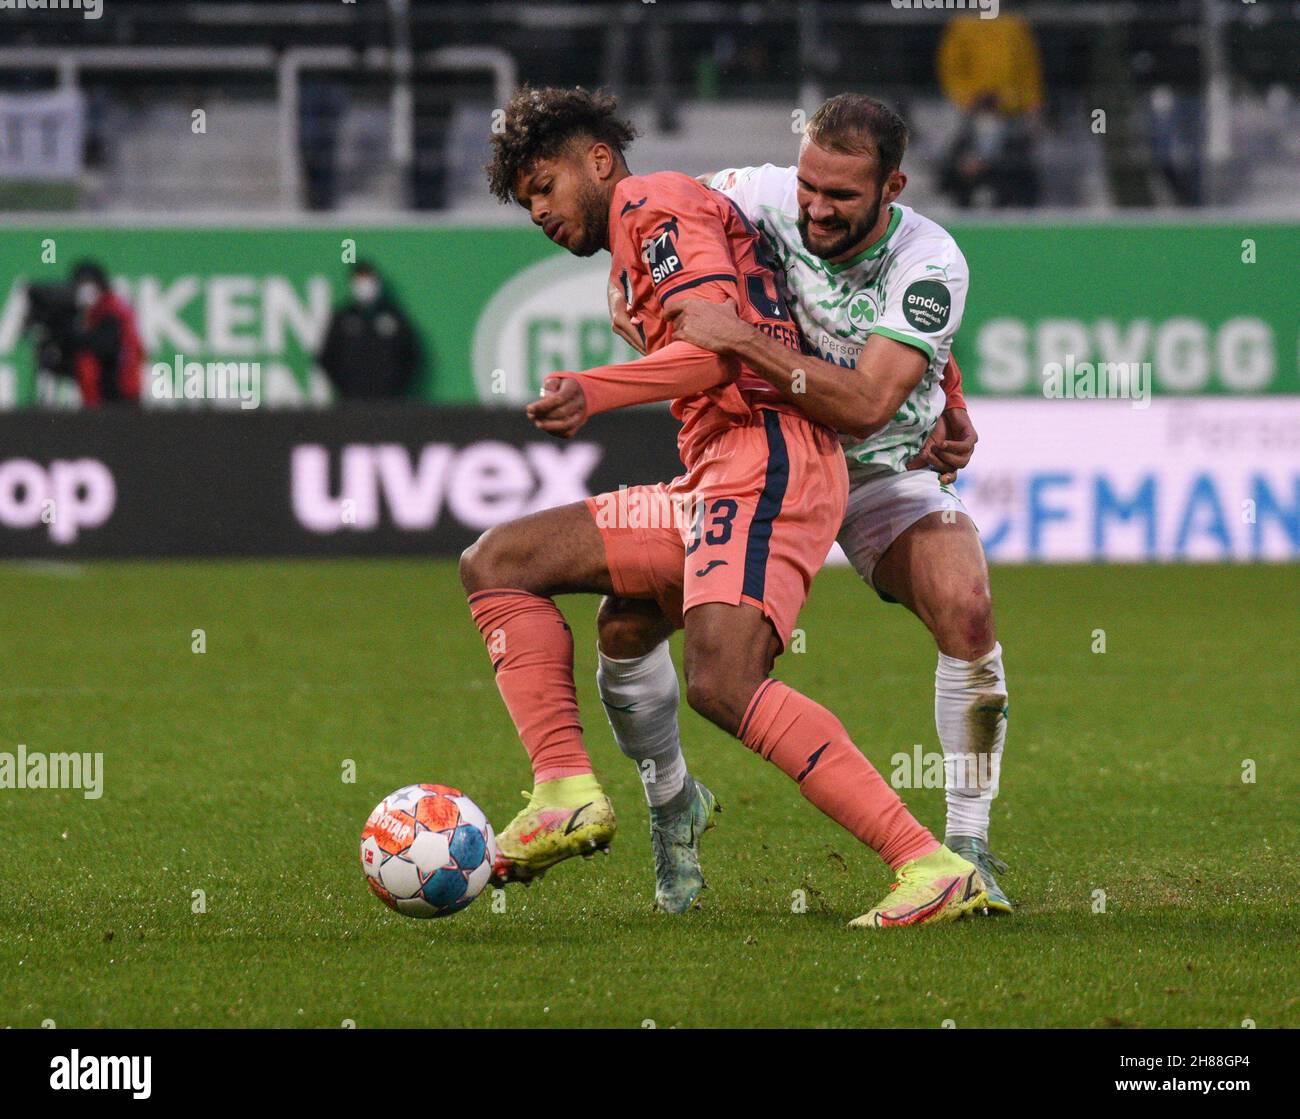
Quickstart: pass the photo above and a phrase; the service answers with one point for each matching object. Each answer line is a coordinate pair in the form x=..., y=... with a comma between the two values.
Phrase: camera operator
x=51, y=321
x=106, y=351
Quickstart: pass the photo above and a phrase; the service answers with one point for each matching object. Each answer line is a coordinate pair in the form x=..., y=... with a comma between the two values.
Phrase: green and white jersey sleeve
x=909, y=286
x=921, y=293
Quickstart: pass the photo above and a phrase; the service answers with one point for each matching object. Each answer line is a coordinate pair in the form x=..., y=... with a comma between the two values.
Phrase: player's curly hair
x=539, y=123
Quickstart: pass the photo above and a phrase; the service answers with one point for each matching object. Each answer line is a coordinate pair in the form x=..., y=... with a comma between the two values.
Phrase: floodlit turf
x=223, y=773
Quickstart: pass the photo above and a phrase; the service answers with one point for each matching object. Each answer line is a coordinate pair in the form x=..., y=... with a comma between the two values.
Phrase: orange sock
x=532, y=655
x=808, y=743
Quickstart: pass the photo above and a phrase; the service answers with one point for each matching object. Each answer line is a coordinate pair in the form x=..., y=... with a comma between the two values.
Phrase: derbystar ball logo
x=926, y=305
x=659, y=251
x=395, y=829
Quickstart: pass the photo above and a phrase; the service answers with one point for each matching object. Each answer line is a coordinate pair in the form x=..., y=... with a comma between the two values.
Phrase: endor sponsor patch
x=926, y=305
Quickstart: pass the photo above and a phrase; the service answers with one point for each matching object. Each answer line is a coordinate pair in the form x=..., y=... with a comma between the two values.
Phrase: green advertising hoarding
x=1212, y=308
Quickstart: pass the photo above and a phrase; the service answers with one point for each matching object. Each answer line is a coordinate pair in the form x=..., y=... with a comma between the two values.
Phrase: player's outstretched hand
x=949, y=447
x=711, y=326
x=562, y=409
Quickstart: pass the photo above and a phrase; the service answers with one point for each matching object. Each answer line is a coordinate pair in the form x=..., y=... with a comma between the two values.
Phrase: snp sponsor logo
x=111, y=1074
x=659, y=251
x=480, y=485
x=67, y=497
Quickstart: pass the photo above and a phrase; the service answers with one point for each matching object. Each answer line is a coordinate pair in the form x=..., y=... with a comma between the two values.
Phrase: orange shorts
x=751, y=521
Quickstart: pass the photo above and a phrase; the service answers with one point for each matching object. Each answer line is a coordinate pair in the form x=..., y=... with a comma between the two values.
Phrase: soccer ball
x=427, y=850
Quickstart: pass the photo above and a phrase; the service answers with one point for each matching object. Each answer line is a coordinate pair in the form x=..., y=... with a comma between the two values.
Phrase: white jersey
x=910, y=286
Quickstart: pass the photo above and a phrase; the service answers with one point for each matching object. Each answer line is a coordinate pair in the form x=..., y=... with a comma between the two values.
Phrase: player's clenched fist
x=949, y=446
x=562, y=409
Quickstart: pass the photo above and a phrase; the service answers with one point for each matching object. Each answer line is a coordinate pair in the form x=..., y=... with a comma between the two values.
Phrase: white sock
x=645, y=689
x=970, y=712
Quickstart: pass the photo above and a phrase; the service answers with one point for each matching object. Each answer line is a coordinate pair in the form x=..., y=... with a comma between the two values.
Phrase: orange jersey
x=672, y=237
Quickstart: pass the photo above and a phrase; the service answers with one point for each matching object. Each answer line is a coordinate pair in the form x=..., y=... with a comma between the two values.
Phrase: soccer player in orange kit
x=730, y=548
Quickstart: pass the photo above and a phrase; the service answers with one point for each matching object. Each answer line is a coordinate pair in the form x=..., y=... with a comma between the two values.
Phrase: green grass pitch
x=223, y=772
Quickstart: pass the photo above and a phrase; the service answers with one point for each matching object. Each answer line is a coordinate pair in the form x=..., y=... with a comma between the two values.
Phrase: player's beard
x=853, y=232
x=593, y=205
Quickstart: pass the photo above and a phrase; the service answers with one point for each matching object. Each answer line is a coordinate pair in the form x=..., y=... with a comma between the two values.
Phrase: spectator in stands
x=322, y=101
x=1174, y=127
x=990, y=70
x=432, y=111
x=371, y=351
x=106, y=351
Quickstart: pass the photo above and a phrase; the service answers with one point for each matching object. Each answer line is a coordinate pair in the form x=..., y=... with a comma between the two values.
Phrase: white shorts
x=883, y=504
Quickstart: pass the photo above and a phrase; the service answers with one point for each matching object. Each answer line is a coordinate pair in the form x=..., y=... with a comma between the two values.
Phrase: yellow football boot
x=937, y=887
x=565, y=817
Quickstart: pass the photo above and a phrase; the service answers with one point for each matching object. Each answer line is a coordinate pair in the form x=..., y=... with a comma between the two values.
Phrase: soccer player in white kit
x=878, y=291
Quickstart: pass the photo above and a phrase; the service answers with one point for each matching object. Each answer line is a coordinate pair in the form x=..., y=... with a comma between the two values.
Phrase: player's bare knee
x=707, y=695
x=625, y=632
x=720, y=691
x=467, y=568
x=964, y=624
x=626, y=638
x=493, y=560
x=476, y=565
